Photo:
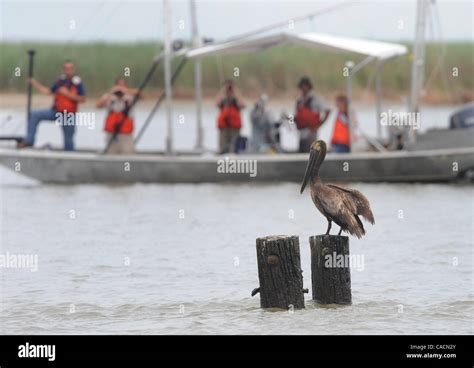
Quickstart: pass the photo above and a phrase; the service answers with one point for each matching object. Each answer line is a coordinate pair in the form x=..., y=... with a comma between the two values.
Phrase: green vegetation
x=275, y=71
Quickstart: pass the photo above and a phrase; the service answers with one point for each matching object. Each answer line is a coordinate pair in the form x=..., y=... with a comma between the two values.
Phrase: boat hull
x=89, y=167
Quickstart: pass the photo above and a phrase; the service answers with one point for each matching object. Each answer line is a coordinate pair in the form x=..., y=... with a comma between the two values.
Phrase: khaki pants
x=122, y=144
x=227, y=137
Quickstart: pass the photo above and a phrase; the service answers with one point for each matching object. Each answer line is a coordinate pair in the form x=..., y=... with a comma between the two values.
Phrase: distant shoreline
x=13, y=100
x=274, y=72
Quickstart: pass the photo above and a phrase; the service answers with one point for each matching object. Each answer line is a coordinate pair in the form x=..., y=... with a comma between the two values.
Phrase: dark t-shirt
x=64, y=82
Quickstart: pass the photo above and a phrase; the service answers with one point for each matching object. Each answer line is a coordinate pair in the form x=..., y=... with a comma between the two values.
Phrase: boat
x=423, y=159
x=54, y=166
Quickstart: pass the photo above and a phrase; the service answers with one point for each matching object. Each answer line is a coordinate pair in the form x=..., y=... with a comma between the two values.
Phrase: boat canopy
x=375, y=49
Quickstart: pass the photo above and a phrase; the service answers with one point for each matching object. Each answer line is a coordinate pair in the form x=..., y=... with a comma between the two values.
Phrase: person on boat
x=265, y=128
x=311, y=112
x=340, y=141
x=229, y=122
x=117, y=101
x=261, y=126
x=68, y=93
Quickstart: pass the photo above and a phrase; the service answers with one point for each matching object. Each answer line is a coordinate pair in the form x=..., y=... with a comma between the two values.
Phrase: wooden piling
x=330, y=270
x=279, y=272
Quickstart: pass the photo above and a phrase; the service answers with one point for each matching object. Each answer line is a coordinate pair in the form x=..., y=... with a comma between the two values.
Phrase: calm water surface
x=169, y=259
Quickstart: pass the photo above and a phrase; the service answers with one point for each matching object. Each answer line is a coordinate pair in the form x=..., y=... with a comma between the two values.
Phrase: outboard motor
x=463, y=118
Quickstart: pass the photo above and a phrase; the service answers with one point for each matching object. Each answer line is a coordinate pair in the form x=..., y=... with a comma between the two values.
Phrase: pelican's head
x=317, y=153
x=318, y=146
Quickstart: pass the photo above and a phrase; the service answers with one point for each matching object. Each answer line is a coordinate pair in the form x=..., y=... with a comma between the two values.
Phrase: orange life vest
x=341, y=133
x=306, y=117
x=63, y=103
x=229, y=116
x=114, y=118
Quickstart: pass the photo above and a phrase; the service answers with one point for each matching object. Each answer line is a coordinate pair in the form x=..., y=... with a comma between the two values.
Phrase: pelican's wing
x=342, y=209
x=360, y=201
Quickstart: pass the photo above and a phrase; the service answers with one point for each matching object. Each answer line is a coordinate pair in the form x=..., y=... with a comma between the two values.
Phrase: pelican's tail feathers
x=357, y=230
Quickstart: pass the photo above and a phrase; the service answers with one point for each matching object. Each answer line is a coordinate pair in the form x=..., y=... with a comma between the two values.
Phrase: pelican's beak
x=313, y=156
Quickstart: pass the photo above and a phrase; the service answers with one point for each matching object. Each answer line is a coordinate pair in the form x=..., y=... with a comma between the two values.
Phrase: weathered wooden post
x=279, y=272
x=330, y=270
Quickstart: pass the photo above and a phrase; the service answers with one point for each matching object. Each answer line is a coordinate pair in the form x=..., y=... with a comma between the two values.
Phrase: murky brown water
x=164, y=259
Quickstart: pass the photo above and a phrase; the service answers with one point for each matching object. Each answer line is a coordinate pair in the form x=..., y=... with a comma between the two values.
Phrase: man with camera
x=119, y=123
x=229, y=122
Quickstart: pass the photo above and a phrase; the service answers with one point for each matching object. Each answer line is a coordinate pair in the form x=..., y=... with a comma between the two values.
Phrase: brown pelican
x=341, y=205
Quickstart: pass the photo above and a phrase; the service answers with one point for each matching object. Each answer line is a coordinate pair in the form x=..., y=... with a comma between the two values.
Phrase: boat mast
x=350, y=66
x=418, y=62
x=197, y=77
x=378, y=99
x=167, y=23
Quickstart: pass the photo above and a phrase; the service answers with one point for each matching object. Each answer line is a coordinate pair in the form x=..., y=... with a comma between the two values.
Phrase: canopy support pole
x=197, y=78
x=167, y=66
x=378, y=104
x=158, y=102
x=352, y=70
x=418, y=60
x=349, y=66
x=378, y=99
